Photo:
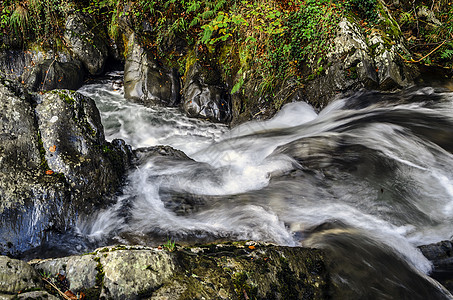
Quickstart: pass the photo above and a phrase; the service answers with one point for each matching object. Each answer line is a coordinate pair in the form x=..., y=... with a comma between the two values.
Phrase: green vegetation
x=428, y=29
x=170, y=245
x=269, y=41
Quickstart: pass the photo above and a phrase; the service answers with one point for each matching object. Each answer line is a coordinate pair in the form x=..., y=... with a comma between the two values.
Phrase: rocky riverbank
x=224, y=271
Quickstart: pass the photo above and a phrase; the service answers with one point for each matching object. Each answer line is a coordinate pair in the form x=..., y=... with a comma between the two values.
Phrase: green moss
x=42, y=153
x=66, y=98
x=243, y=289
x=100, y=275
x=191, y=59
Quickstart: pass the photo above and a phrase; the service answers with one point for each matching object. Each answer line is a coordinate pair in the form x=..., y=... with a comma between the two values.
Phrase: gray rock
x=205, y=96
x=36, y=295
x=87, y=42
x=390, y=70
x=358, y=61
x=17, y=276
x=55, y=164
x=73, y=139
x=148, y=82
x=52, y=74
x=224, y=271
x=14, y=63
x=130, y=274
x=80, y=271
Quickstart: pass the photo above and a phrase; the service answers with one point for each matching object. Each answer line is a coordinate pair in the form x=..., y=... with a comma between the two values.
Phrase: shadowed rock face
x=51, y=74
x=224, y=271
x=206, y=97
x=147, y=81
x=55, y=164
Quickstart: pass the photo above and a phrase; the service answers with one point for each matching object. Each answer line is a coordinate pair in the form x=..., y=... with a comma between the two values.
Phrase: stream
x=369, y=178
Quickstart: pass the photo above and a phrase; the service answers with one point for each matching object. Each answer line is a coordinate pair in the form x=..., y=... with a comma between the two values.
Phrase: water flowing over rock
x=87, y=41
x=224, y=271
x=205, y=96
x=441, y=255
x=147, y=81
x=56, y=165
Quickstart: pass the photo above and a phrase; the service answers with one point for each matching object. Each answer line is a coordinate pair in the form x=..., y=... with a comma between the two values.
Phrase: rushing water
x=368, y=179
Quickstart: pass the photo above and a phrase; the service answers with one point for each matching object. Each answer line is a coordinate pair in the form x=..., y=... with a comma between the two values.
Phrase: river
x=369, y=178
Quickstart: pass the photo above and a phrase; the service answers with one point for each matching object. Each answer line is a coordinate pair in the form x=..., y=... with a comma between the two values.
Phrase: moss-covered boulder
x=55, y=164
x=223, y=271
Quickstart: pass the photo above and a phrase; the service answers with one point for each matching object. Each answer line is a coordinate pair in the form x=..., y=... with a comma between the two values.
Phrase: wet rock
x=147, y=81
x=224, y=271
x=55, y=164
x=441, y=254
x=52, y=74
x=73, y=140
x=14, y=63
x=42, y=70
x=87, y=42
x=144, y=154
x=205, y=96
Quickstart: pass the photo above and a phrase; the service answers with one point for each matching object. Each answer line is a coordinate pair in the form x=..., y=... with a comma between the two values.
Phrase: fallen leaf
x=49, y=172
x=70, y=295
x=52, y=148
x=252, y=247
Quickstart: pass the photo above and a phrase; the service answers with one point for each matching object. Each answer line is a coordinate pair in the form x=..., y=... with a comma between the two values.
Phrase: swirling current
x=368, y=178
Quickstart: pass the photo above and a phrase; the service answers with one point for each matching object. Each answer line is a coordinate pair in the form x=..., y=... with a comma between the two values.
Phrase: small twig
x=47, y=73
x=56, y=288
x=417, y=61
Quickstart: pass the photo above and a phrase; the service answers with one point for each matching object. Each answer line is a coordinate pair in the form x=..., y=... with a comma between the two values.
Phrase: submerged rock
x=55, y=164
x=441, y=255
x=147, y=81
x=224, y=271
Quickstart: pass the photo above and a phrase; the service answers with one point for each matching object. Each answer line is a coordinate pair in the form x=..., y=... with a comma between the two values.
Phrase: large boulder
x=73, y=140
x=87, y=41
x=359, y=60
x=55, y=164
x=224, y=271
x=148, y=81
x=205, y=95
